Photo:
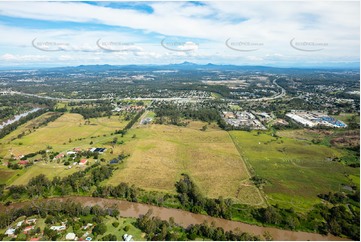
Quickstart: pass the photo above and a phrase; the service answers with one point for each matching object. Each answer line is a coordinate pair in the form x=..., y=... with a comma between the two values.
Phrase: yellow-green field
x=304, y=134
x=7, y=175
x=26, y=128
x=50, y=170
x=296, y=170
x=161, y=153
x=57, y=134
x=346, y=116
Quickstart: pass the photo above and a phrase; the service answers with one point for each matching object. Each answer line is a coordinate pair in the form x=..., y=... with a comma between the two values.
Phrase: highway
x=278, y=95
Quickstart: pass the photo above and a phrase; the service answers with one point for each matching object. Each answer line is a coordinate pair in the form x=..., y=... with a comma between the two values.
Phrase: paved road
x=279, y=95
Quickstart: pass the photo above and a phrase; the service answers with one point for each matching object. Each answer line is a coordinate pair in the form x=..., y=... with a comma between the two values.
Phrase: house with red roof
x=23, y=162
x=61, y=155
x=27, y=229
x=83, y=162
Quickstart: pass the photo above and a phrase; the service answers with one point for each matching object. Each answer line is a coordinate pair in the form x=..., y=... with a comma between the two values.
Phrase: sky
x=268, y=33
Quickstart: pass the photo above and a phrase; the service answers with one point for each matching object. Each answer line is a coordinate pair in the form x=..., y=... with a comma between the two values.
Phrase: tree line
x=170, y=113
x=339, y=215
x=157, y=229
x=340, y=218
x=11, y=127
x=55, y=212
x=16, y=104
x=101, y=110
x=78, y=182
x=130, y=124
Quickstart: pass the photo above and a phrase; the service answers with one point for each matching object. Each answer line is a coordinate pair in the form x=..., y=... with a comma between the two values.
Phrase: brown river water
x=184, y=218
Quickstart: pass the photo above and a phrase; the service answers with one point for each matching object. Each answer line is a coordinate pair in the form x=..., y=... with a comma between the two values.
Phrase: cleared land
x=63, y=134
x=50, y=170
x=7, y=175
x=161, y=153
x=67, y=132
x=296, y=170
x=336, y=138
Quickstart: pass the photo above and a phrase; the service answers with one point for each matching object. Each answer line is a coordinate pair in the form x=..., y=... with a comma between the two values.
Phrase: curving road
x=279, y=95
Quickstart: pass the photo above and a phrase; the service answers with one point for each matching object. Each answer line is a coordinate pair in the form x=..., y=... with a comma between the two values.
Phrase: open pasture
x=49, y=170
x=296, y=170
x=65, y=133
x=161, y=153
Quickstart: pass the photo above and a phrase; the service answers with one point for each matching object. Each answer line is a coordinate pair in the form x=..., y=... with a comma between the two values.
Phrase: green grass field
x=7, y=175
x=346, y=116
x=216, y=95
x=50, y=170
x=26, y=128
x=119, y=231
x=296, y=170
x=57, y=134
x=161, y=153
x=235, y=107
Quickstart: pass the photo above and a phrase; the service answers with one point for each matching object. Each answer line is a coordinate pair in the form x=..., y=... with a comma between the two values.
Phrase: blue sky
x=297, y=34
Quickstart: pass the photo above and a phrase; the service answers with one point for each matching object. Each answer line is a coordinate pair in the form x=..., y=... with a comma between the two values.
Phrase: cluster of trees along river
x=55, y=211
x=335, y=219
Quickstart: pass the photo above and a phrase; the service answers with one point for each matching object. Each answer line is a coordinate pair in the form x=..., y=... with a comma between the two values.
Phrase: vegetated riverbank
x=17, y=117
x=20, y=119
x=181, y=217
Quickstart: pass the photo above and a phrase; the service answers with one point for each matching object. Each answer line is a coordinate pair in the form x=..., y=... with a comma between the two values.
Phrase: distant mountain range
x=181, y=66
x=186, y=66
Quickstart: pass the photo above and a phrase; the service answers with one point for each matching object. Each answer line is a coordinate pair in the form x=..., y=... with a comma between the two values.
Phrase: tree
x=115, y=224
x=109, y=237
x=271, y=215
x=204, y=128
x=267, y=236
x=99, y=229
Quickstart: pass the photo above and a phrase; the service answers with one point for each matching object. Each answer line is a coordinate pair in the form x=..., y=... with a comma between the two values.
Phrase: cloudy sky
x=282, y=33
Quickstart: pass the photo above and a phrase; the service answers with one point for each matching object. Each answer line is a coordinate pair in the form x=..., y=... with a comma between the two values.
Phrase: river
x=17, y=117
x=184, y=218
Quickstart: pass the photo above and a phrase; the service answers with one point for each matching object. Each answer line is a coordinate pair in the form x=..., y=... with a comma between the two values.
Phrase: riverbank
x=17, y=118
x=183, y=218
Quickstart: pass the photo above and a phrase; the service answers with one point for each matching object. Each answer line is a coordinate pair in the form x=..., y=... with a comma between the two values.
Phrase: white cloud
x=272, y=23
x=21, y=58
x=188, y=46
